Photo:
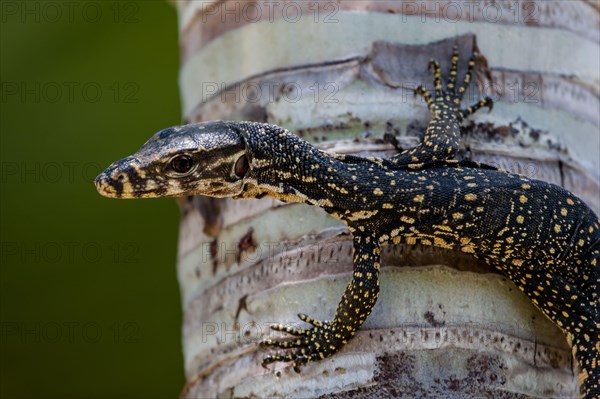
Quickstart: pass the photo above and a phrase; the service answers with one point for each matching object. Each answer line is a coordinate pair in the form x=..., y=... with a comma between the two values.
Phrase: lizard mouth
x=115, y=188
x=121, y=180
x=126, y=184
x=125, y=189
x=104, y=187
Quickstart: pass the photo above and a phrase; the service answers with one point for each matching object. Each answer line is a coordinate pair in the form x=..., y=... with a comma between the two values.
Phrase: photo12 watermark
x=64, y=172
x=69, y=92
x=269, y=92
x=223, y=252
x=331, y=12
x=269, y=10
x=68, y=252
x=69, y=332
x=72, y=12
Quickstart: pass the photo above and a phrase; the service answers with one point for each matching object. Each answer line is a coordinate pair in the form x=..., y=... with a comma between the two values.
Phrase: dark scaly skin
x=542, y=237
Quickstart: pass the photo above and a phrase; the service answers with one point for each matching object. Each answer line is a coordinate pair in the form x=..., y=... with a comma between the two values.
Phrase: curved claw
x=433, y=64
x=489, y=103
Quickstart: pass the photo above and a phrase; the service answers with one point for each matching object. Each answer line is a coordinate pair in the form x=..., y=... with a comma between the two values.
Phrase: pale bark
x=445, y=325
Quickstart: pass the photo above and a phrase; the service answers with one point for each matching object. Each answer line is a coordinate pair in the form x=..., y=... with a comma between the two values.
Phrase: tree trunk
x=341, y=74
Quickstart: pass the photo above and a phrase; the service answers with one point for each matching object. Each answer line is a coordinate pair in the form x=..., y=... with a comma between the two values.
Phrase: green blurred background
x=90, y=305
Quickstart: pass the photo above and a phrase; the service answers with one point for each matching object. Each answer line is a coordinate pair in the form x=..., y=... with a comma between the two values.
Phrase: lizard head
x=207, y=158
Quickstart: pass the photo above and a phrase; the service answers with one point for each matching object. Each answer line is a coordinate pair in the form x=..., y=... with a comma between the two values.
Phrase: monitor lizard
x=542, y=237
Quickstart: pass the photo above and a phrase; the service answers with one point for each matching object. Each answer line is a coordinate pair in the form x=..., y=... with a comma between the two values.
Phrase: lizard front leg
x=325, y=338
x=442, y=137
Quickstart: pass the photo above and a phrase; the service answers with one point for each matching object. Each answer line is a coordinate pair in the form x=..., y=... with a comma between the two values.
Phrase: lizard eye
x=182, y=163
x=241, y=166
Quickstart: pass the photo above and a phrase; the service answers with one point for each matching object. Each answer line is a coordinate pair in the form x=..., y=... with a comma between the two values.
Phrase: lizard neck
x=288, y=168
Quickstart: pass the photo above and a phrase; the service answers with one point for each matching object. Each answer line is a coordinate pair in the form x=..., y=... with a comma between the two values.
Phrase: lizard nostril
x=118, y=177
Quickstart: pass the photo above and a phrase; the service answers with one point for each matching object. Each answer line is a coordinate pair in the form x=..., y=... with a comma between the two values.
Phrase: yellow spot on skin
x=580, y=242
x=522, y=199
x=470, y=197
x=378, y=191
x=362, y=215
x=415, y=165
x=557, y=228
x=472, y=185
x=563, y=212
x=520, y=219
x=407, y=219
x=440, y=242
x=325, y=202
x=387, y=206
x=525, y=186
x=510, y=240
x=419, y=198
x=517, y=262
x=469, y=249
x=457, y=215
x=570, y=201
x=446, y=229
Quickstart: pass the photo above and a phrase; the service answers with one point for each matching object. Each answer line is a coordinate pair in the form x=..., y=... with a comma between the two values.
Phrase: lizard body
x=542, y=237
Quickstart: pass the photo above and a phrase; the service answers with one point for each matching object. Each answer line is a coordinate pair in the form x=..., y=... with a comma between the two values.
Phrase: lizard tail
x=586, y=349
x=586, y=342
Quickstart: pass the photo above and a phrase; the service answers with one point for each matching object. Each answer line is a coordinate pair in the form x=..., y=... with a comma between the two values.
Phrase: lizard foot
x=449, y=99
x=304, y=345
